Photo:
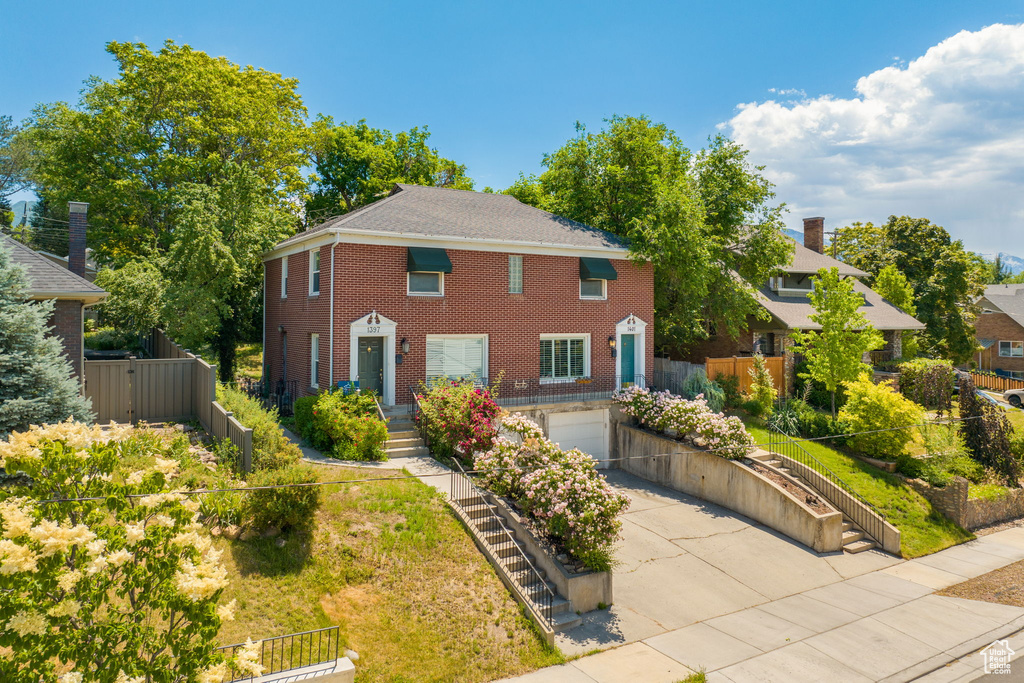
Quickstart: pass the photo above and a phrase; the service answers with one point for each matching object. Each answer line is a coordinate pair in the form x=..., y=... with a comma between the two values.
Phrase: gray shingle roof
x=794, y=312
x=46, y=279
x=418, y=211
x=1007, y=298
x=809, y=261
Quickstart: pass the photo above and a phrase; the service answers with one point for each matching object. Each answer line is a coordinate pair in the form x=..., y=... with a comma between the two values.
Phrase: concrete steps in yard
x=403, y=438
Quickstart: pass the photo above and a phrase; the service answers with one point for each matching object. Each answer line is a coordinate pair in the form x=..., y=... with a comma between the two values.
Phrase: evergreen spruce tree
x=36, y=384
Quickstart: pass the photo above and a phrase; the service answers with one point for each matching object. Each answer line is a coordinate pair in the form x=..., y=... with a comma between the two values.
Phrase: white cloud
x=941, y=137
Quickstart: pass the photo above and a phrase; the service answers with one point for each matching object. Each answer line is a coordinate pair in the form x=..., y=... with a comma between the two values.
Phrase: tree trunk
x=833, y=404
x=225, y=342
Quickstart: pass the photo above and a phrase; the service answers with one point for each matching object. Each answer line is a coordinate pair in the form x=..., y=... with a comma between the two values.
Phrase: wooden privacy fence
x=679, y=369
x=741, y=365
x=172, y=385
x=995, y=382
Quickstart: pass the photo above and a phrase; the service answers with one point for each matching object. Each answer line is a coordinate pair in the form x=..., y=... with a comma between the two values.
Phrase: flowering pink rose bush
x=459, y=419
x=118, y=588
x=561, y=491
x=664, y=411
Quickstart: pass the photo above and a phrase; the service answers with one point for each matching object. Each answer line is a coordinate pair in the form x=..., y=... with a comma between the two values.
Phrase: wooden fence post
x=247, y=450
x=134, y=391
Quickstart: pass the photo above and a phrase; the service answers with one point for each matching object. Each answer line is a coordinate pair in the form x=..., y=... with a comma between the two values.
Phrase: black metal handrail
x=280, y=394
x=294, y=650
x=520, y=572
x=870, y=520
x=531, y=390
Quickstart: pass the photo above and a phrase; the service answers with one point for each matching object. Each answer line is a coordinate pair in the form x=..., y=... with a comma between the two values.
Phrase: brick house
x=1000, y=330
x=785, y=298
x=69, y=290
x=431, y=282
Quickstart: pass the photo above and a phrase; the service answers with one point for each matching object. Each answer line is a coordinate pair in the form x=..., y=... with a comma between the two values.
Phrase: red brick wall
x=1000, y=327
x=66, y=321
x=476, y=301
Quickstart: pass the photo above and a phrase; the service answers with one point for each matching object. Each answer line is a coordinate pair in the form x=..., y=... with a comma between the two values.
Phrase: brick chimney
x=814, y=234
x=77, y=213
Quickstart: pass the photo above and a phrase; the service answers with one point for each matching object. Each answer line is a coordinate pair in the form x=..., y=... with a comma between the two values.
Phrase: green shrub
x=302, y=410
x=731, y=387
x=347, y=426
x=753, y=407
x=815, y=393
x=873, y=408
x=762, y=387
x=283, y=508
x=928, y=382
x=939, y=470
x=110, y=339
x=698, y=384
x=271, y=449
x=785, y=419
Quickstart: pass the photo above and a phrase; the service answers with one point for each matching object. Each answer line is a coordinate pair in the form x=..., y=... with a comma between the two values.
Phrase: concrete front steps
x=403, y=438
x=530, y=580
x=854, y=538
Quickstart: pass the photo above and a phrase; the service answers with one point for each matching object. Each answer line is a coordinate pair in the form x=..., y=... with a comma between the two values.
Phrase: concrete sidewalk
x=886, y=625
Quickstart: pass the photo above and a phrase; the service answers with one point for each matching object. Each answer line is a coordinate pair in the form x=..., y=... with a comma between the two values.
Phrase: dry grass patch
x=1004, y=586
x=389, y=564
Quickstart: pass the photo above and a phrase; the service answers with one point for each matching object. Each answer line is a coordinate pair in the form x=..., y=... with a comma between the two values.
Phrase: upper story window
x=594, y=276
x=314, y=272
x=515, y=274
x=1011, y=349
x=426, y=267
x=284, y=277
x=795, y=284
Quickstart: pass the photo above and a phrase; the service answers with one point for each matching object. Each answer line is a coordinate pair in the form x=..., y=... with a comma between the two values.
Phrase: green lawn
x=923, y=530
x=389, y=564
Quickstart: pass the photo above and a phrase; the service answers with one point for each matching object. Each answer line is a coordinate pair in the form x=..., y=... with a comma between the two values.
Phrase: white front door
x=586, y=430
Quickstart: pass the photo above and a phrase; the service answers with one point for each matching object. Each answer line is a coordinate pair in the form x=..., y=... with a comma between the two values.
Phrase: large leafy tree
x=135, y=294
x=214, y=269
x=945, y=278
x=834, y=353
x=173, y=117
x=36, y=385
x=15, y=158
x=701, y=219
x=893, y=286
x=356, y=164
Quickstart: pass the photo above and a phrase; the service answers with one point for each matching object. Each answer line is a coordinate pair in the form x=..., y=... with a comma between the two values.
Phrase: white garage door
x=586, y=430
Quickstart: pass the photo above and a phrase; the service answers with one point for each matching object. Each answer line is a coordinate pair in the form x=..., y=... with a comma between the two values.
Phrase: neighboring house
x=1000, y=330
x=62, y=261
x=431, y=282
x=785, y=298
x=70, y=291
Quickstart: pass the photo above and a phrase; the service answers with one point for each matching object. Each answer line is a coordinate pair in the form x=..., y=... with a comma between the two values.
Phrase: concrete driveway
x=684, y=561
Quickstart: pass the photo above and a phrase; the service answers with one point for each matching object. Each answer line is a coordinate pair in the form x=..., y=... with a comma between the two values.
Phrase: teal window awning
x=428, y=260
x=597, y=269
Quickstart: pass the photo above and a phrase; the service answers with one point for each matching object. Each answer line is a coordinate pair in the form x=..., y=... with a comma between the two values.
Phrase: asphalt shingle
x=1007, y=298
x=46, y=278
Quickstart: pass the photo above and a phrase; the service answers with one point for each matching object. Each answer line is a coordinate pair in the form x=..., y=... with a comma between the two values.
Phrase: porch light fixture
x=611, y=344
x=405, y=345
x=280, y=328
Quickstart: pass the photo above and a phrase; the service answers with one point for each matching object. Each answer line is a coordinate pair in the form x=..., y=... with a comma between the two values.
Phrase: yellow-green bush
x=882, y=413
x=271, y=449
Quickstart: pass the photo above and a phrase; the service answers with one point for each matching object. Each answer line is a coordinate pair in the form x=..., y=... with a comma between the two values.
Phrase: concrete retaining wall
x=585, y=591
x=729, y=484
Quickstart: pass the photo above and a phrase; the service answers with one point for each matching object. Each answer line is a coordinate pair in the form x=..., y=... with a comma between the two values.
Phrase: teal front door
x=628, y=362
x=371, y=364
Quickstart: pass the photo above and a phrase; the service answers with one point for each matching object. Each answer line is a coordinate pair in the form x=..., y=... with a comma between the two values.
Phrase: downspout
x=264, y=375
x=330, y=313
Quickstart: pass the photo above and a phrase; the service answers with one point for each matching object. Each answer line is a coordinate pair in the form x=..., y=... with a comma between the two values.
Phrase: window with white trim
x=456, y=357
x=515, y=274
x=421, y=283
x=563, y=357
x=1016, y=374
x=1011, y=349
x=284, y=277
x=593, y=289
x=314, y=360
x=314, y=272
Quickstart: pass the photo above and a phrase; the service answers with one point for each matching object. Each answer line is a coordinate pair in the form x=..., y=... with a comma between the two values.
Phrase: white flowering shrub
x=110, y=588
x=663, y=411
x=561, y=491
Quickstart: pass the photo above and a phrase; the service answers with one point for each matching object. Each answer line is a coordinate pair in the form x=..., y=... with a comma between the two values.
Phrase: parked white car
x=1014, y=397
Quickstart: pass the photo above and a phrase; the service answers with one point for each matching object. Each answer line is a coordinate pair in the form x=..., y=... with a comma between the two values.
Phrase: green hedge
x=284, y=508
x=928, y=382
x=345, y=425
x=271, y=449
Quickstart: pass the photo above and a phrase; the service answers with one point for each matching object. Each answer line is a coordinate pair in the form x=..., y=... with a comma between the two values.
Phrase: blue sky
x=500, y=84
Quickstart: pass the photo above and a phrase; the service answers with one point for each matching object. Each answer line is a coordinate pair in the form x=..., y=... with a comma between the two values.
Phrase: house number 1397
x=372, y=330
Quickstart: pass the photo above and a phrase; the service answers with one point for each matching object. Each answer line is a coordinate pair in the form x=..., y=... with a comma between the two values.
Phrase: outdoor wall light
x=611, y=344
x=405, y=345
x=280, y=328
